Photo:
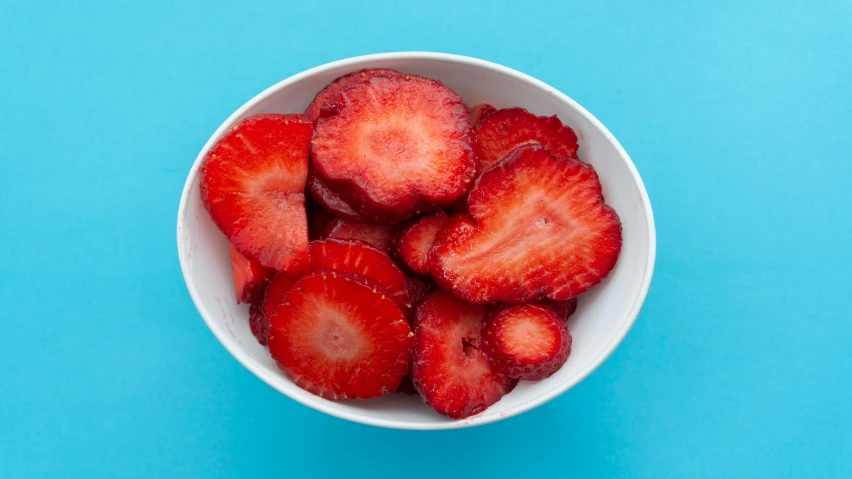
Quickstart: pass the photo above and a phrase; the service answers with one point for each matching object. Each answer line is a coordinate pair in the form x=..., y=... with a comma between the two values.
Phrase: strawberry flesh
x=478, y=112
x=538, y=228
x=252, y=184
x=338, y=84
x=378, y=236
x=392, y=147
x=529, y=342
x=250, y=277
x=414, y=240
x=450, y=370
x=504, y=130
x=338, y=337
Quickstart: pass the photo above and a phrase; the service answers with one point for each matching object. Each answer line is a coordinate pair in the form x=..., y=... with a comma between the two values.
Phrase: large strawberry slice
x=338, y=337
x=353, y=256
x=395, y=146
x=414, y=240
x=329, y=200
x=313, y=110
x=253, y=182
x=379, y=236
x=450, y=370
x=527, y=341
x=538, y=228
x=504, y=130
x=250, y=277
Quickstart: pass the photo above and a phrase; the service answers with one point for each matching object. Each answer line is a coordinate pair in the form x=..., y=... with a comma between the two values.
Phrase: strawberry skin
x=392, y=147
x=313, y=110
x=529, y=342
x=328, y=199
x=259, y=327
x=414, y=240
x=250, y=277
x=252, y=184
x=564, y=309
x=450, y=370
x=538, y=228
x=357, y=257
x=502, y=131
x=378, y=236
x=337, y=336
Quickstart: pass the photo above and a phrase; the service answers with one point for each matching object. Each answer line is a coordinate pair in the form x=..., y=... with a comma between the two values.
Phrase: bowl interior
x=604, y=315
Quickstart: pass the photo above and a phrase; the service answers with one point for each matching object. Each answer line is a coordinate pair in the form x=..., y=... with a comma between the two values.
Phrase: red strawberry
x=338, y=84
x=504, y=130
x=259, y=326
x=450, y=369
x=528, y=341
x=417, y=288
x=250, y=277
x=352, y=256
x=379, y=236
x=479, y=112
x=329, y=199
x=253, y=182
x=414, y=240
x=338, y=337
x=392, y=147
x=563, y=309
x=538, y=228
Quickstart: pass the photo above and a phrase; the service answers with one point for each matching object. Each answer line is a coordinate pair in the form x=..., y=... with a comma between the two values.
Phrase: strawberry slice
x=329, y=200
x=378, y=236
x=253, y=182
x=479, y=112
x=450, y=370
x=417, y=288
x=353, y=256
x=527, y=342
x=338, y=84
x=563, y=309
x=504, y=130
x=259, y=327
x=250, y=277
x=538, y=228
x=337, y=336
x=392, y=147
x=414, y=240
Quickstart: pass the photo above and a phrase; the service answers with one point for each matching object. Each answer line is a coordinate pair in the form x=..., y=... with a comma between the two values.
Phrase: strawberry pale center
x=527, y=335
x=337, y=338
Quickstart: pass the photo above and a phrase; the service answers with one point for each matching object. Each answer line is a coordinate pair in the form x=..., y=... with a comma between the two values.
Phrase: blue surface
x=736, y=114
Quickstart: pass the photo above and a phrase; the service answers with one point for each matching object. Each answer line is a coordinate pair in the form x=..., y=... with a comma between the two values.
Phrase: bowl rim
x=266, y=376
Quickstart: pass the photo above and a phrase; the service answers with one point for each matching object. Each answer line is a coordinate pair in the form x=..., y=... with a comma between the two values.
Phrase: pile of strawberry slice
x=392, y=239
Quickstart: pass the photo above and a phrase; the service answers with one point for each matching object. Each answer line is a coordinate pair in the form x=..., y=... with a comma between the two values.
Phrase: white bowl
x=605, y=313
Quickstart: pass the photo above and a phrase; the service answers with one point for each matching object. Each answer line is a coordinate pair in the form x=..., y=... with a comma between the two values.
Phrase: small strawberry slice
x=338, y=337
x=504, y=130
x=392, y=147
x=353, y=256
x=527, y=342
x=339, y=83
x=479, y=112
x=563, y=309
x=450, y=370
x=329, y=199
x=414, y=240
x=378, y=236
x=259, y=327
x=538, y=228
x=250, y=277
x=253, y=182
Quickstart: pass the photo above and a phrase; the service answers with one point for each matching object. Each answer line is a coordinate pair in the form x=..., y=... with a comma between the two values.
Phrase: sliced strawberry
x=338, y=84
x=563, y=309
x=417, y=288
x=379, y=236
x=450, y=370
x=392, y=147
x=479, y=112
x=329, y=199
x=529, y=342
x=414, y=240
x=250, y=277
x=253, y=182
x=405, y=387
x=259, y=326
x=352, y=256
x=338, y=337
x=504, y=130
x=538, y=228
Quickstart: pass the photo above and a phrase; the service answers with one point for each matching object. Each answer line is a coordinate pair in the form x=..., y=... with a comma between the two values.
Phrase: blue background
x=737, y=114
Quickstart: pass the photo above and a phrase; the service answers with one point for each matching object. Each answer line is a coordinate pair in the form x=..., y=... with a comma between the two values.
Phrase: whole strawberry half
x=528, y=341
x=338, y=335
x=451, y=371
x=392, y=147
x=252, y=184
x=538, y=228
